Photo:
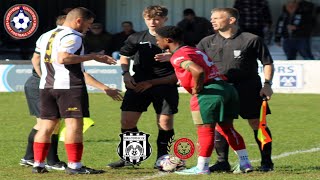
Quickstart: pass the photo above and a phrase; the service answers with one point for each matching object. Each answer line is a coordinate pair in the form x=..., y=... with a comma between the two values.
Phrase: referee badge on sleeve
x=237, y=54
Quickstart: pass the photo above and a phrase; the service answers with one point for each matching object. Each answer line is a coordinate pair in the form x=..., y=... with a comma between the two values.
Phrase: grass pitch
x=294, y=124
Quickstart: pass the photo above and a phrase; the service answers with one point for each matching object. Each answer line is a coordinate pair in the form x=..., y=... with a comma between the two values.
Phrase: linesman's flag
x=87, y=122
x=263, y=135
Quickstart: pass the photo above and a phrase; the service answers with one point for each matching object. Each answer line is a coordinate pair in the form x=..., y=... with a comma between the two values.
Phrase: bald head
x=80, y=12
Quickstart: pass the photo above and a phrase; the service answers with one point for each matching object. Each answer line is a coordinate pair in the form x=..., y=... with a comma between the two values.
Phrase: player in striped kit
x=63, y=92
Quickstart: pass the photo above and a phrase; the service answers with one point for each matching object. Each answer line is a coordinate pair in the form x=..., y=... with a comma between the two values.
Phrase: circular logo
x=21, y=21
x=183, y=148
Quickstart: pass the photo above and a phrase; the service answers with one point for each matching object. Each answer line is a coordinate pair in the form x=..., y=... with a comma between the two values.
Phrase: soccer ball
x=170, y=163
x=21, y=21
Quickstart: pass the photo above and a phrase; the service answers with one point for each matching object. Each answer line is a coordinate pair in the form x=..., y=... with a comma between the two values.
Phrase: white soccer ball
x=169, y=163
x=21, y=21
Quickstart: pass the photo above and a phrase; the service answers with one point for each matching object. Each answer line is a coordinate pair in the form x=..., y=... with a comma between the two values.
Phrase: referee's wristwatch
x=124, y=72
x=268, y=82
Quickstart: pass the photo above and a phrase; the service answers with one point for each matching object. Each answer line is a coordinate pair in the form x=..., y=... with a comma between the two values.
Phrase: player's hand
x=142, y=86
x=105, y=59
x=114, y=94
x=163, y=57
x=129, y=81
x=266, y=91
x=196, y=90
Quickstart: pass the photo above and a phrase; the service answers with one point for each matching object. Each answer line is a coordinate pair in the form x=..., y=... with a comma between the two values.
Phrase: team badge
x=237, y=53
x=183, y=148
x=21, y=21
x=134, y=147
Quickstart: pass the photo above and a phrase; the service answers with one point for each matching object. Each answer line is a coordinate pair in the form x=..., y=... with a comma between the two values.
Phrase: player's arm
x=144, y=85
x=126, y=51
x=266, y=90
x=36, y=63
x=197, y=74
x=127, y=78
x=268, y=68
x=69, y=58
x=113, y=93
x=268, y=71
x=171, y=79
x=71, y=44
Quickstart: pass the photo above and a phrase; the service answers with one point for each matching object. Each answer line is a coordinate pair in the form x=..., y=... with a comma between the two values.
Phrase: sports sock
x=205, y=141
x=164, y=142
x=129, y=130
x=242, y=156
x=40, y=151
x=52, y=157
x=222, y=147
x=74, y=165
x=267, y=149
x=203, y=163
x=29, y=150
x=74, y=152
x=234, y=139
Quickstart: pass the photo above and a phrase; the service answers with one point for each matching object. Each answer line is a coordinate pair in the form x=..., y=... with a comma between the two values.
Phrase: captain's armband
x=185, y=65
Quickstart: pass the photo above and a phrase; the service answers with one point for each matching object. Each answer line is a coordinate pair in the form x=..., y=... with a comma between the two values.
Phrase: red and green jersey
x=188, y=53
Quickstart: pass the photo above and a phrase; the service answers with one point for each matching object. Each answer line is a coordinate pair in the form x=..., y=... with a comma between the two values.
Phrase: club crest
x=184, y=148
x=134, y=147
x=21, y=21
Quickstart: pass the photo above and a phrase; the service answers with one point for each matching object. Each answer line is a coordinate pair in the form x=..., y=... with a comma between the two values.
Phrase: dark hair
x=60, y=20
x=156, y=10
x=127, y=22
x=189, y=11
x=173, y=32
x=232, y=12
x=82, y=12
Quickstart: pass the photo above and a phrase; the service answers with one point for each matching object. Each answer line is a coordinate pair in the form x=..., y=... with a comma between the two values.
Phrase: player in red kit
x=214, y=103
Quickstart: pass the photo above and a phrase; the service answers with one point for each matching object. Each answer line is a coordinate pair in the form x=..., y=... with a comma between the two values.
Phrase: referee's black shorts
x=250, y=99
x=32, y=92
x=165, y=99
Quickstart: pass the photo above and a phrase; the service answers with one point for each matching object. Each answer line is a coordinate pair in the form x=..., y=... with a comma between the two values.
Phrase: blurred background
x=112, y=13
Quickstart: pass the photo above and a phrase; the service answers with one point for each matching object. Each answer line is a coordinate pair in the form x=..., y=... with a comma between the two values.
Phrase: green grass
x=294, y=124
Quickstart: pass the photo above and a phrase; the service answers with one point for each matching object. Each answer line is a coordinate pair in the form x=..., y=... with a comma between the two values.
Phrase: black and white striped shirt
x=54, y=74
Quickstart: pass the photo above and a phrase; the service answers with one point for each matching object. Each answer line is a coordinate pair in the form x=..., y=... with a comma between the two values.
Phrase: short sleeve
x=176, y=60
x=263, y=52
x=38, y=45
x=130, y=46
x=70, y=43
x=200, y=45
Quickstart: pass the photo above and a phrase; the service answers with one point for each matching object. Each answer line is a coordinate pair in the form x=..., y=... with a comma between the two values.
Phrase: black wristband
x=268, y=82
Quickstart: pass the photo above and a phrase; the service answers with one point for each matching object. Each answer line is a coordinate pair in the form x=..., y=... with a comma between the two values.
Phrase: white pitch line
x=292, y=153
x=286, y=154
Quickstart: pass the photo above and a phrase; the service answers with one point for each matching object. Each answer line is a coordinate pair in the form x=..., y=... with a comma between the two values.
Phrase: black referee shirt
x=144, y=47
x=236, y=57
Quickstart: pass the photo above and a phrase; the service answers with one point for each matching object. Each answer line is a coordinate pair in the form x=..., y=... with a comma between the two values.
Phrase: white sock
x=243, y=156
x=74, y=165
x=38, y=164
x=203, y=163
